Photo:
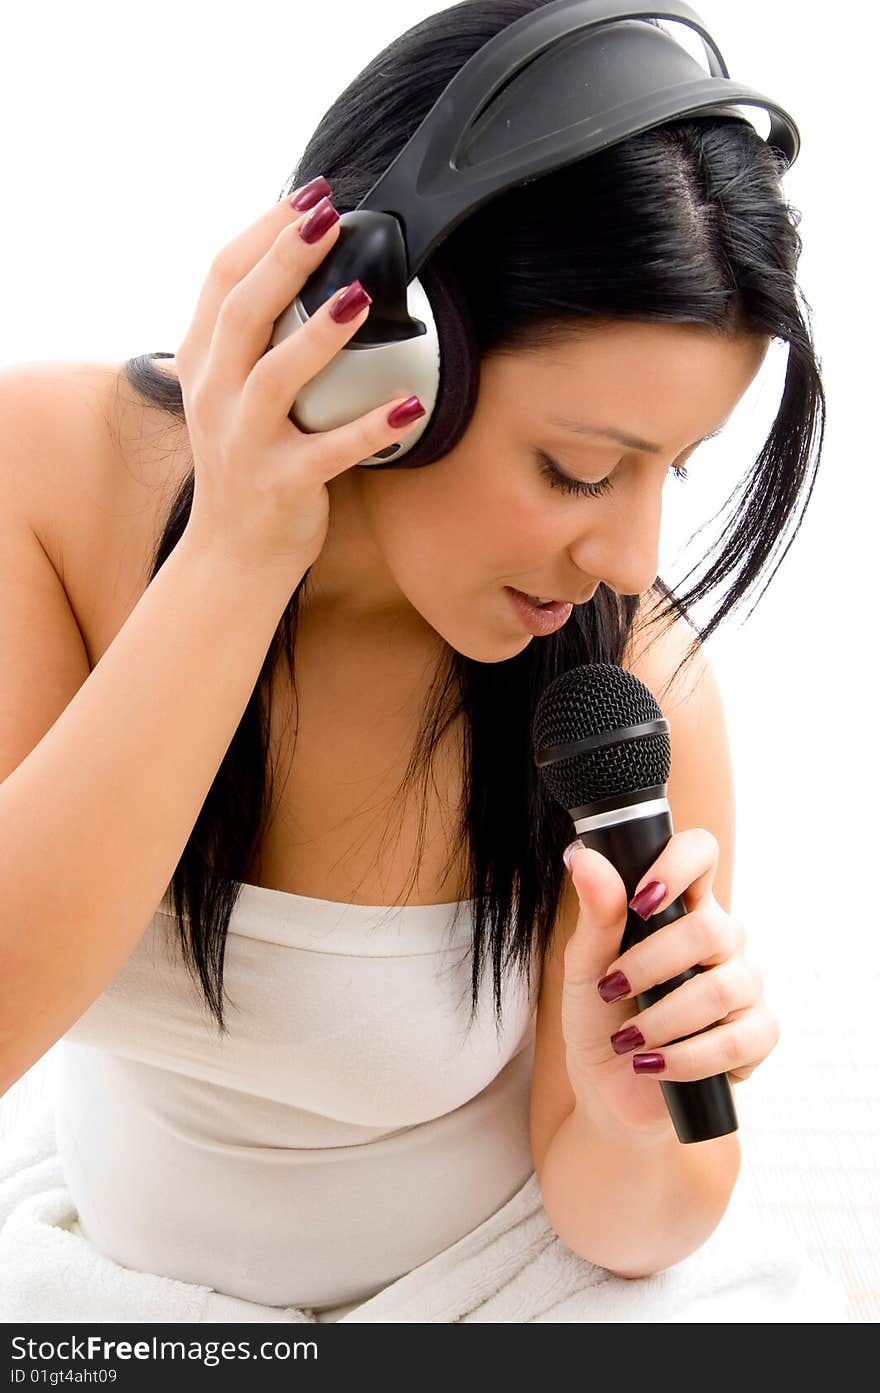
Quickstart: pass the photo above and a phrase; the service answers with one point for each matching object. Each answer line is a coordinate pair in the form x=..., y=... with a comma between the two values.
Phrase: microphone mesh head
x=589, y=700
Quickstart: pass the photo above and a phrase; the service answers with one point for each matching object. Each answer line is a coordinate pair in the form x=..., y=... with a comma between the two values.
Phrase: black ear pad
x=459, y=366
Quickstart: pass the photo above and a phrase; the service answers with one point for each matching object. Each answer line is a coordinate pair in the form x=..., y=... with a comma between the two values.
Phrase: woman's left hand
x=727, y=996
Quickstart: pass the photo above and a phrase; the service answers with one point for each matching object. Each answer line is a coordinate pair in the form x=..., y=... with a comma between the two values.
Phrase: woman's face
x=434, y=548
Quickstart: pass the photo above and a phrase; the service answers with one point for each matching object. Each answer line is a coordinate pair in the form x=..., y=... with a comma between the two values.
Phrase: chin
x=484, y=641
x=486, y=649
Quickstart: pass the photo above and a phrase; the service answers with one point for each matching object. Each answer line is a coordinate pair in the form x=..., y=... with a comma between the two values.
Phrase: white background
x=140, y=138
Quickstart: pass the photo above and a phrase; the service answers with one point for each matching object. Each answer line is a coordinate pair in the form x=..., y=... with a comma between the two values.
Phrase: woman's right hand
x=260, y=495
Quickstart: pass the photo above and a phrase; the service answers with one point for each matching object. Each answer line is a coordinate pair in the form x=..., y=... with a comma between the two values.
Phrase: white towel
x=513, y=1268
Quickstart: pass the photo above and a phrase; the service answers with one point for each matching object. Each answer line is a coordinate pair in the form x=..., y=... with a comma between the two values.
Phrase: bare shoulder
x=72, y=432
x=89, y=465
x=657, y=645
x=51, y=416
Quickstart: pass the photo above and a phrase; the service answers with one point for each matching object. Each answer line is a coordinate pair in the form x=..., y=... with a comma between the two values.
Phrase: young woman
x=230, y=653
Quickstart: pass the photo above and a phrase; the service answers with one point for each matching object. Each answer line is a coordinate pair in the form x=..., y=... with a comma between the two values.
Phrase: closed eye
x=558, y=479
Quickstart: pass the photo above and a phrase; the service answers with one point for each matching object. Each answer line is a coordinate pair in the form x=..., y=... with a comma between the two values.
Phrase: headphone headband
x=560, y=83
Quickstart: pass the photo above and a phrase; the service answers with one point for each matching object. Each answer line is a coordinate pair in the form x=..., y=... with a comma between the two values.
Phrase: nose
x=622, y=545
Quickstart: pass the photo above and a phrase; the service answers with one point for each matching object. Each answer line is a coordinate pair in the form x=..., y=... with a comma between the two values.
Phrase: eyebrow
x=632, y=442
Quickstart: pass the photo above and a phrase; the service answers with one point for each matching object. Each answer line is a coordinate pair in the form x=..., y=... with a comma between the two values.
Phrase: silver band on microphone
x=627, y=814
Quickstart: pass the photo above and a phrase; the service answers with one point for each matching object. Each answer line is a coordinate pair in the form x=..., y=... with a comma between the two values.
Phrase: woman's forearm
x=635, y=1209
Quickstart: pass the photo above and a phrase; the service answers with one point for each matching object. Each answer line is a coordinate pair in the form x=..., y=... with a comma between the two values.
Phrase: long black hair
x=685, y=223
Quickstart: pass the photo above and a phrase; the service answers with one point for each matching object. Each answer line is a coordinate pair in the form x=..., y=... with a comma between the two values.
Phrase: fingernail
x=622, y=1041
x=648, y=1063
x=409, y=410
x=350, y=303
x=319, y=221
x=310, y=194
x=613, y=987
x=647, y=900
x=570, y=850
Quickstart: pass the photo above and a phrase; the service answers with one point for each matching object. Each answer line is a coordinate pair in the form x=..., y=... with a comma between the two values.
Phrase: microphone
x=601, y=743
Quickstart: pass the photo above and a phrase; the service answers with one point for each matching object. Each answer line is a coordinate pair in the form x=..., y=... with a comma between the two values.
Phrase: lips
x=557, y=599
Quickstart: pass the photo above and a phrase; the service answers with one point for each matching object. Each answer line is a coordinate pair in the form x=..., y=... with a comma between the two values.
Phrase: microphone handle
x=702, y=1108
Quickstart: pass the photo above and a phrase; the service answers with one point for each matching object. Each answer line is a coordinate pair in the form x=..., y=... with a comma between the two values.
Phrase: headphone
x=566, y=80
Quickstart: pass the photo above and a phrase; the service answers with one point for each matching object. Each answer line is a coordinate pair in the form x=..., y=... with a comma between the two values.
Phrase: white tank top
x=346, y=1129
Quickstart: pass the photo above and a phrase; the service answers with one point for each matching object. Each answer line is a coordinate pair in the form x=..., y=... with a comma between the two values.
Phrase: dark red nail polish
x=408, y=411
x=622, y=1041
x=648, y=1063
x=350, y=303
x=310, y=194
x=648, y=898
x=319, y=221
x=613, y=987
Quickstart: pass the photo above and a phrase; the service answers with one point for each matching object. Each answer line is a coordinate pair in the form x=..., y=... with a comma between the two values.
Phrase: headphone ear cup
x=459, y=365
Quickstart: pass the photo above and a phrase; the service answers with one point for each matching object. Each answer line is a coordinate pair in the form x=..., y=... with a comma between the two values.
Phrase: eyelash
x=555, y=477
